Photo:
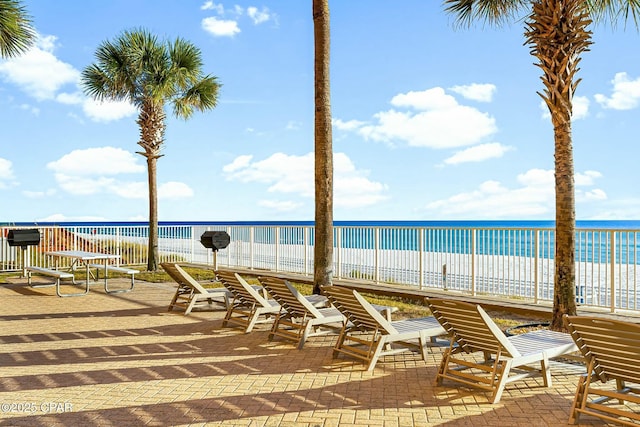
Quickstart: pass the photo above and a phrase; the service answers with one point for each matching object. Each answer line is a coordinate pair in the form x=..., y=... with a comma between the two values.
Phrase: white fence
x=511, y=262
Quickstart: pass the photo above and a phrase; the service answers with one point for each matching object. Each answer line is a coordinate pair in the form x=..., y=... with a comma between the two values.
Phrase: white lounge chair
x=298, y=319
x=368, y=335
x=190, y=292
x=250, y=304
x=473, y=331
x=612, y=351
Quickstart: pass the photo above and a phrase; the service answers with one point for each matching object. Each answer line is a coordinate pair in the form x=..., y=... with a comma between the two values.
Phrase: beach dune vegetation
x=138, y=68
x=557, y=33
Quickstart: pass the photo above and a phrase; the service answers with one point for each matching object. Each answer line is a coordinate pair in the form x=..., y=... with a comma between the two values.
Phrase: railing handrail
x=511, y=261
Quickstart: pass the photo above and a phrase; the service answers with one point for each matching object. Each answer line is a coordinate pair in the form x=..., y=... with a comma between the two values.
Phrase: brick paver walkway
x=123, y=360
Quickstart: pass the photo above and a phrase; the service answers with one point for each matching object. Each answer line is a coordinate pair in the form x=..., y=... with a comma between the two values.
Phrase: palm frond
x=16, y=30
x=494, y=12
x=201, y=96
x=615, y=11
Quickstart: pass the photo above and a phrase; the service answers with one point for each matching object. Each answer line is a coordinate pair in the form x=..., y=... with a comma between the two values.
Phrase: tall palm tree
x=136, y=67
x=323, y=247
x=557, y=33
x=16, y=31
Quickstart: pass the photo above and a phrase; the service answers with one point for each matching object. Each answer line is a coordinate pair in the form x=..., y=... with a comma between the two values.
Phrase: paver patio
x=124, y=360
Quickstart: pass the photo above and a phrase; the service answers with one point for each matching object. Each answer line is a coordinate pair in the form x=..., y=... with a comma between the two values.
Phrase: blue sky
x=431, y=121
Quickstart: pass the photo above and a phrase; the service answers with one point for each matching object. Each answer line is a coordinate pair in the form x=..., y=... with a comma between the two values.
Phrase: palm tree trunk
x=152, y=263
x=323, y=248
x=152, y=126
x=564, y=299
x=557, y=32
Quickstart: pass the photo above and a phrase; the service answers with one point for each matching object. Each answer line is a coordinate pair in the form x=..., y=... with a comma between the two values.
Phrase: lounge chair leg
x=190, y=307
x=305, y=335
x=376, y=354
x=340, y=342
x=252, y=322
x=274, y=328
x=579, y=399
x=443, y=365
x=546, y=372
x=503, y=375
x=423, y=346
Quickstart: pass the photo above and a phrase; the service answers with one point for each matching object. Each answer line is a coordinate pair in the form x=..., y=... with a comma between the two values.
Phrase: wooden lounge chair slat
x=190, y=292
x=298, y=319
x=368, y=335
x=612, y=350
x=504, y=359
x=250, y=305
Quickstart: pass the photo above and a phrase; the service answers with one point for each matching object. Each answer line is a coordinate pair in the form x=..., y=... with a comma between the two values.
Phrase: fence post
x=193, y=243
x=338, y=257
x=473, y=261
x=536, y=248
x=305, y=245
x=376, y=249
x=420, y=256
x=251, y=243
x=277, y=237
x=612, y=277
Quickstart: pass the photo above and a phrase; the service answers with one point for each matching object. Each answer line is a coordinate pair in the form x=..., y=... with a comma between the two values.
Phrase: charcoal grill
x=24, y=238
x=215, y=240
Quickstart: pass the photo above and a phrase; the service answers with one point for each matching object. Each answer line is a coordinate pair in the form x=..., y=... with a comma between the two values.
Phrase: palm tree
x=137, y=68
x=557, y=33
x=16, y=32
x=323, y=247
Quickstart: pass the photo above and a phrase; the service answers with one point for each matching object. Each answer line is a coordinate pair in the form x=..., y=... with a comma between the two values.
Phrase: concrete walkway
x=123, y=360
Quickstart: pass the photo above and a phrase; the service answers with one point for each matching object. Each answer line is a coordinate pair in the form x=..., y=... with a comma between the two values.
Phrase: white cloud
x=580, y=108
x=38, y=72
x=350, y=125
x=70, y=98
x=97, y=161
x=39, y=194
x=290, y=174
x=280, y=206
x=64, y=218
x=129, y=190
x=439, y=122
x=174, y=190
x=430, y=99
x=139, y=190
x=238, y=163
x=478, y=153
x=586, y=178
x=41, y=75
x=593, y=195
x=625, y=95
x=293, y=125
x=33, y=110
x=535, y=197
x=210, y=5
x=258, y=16
x=220, y=27
x=106, y=111
x=6, y=169
x=6, y=173
x=96, y=170
x=476, y=91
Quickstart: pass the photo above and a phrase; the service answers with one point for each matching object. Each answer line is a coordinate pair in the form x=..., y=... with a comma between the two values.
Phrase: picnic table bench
x=58, y=274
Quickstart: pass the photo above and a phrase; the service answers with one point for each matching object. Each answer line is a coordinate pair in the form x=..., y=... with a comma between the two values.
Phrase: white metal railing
x=508, y=262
